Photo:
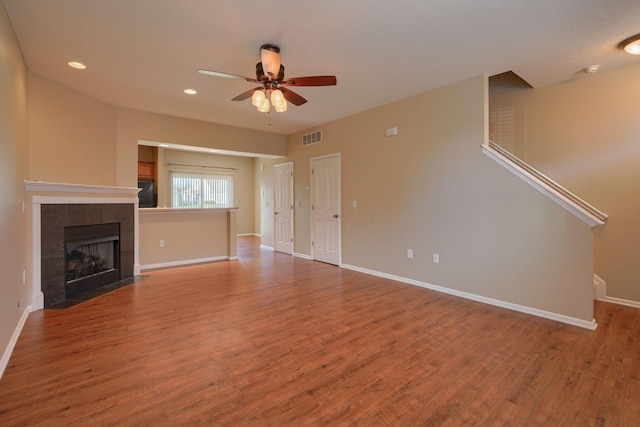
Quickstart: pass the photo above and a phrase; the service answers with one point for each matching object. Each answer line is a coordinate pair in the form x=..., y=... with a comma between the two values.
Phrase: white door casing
x=283, y=207
x=325, y=209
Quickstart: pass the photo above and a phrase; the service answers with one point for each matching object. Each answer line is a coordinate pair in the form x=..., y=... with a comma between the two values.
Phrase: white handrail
x=543, y=183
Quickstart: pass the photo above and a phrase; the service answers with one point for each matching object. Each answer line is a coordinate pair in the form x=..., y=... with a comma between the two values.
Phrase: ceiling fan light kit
x=270, y=74
x=282, y=107
x=257, y=98
x=264, y=106
x=261, y=102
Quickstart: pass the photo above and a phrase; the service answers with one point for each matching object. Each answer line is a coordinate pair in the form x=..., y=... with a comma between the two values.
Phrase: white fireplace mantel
x=41, y=193
x=48, y=187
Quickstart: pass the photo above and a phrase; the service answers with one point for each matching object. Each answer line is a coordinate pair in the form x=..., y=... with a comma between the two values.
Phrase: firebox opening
x=92, y=257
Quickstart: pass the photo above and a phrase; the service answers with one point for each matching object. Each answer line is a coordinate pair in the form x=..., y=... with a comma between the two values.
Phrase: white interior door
x=283, y=207
x=325, y=209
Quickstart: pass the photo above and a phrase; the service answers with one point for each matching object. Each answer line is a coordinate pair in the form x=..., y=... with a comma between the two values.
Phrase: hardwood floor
x=276, y=340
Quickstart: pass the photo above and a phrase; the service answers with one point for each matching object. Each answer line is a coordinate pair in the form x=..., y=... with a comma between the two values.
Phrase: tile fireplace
x=82, y=237
x=84, y=246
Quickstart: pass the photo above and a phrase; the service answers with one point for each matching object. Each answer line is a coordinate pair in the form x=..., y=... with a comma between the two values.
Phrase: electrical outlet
x=410, y=253
x=436, y=258
x=355, y=204
x=162, y=243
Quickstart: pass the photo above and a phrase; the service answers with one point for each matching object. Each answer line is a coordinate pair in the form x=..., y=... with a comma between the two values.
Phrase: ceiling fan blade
x=292, y=97
x=311, y=81
x=247, y=94
x=227, y=75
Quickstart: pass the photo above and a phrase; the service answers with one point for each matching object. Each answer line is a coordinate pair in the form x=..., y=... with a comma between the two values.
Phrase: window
x=201, y=189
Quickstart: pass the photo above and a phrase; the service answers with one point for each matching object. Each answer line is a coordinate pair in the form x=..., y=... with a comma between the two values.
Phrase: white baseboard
x=621, y=301
x=600, y=294
x=592, y=325
x=37, y=301
x=4, y=361
x=269, y=248
x=248, y=235
x=303, y=256
x=232, y=258
x=184, y=262
x=599, y=288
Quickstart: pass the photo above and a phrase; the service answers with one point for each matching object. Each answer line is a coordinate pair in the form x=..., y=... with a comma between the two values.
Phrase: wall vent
x=312, y=138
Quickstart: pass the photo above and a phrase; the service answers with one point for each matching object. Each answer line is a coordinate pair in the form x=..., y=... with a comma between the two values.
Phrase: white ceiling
x=141, y=54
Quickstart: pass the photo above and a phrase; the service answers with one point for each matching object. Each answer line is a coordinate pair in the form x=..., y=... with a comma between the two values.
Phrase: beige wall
x=431, y=189
x=13, y=166
x=71, y=136
x=585, y=135
x=243, y=180
x=188, y=236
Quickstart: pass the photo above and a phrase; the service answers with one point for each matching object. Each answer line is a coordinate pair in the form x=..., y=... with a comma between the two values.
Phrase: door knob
x=336, y=216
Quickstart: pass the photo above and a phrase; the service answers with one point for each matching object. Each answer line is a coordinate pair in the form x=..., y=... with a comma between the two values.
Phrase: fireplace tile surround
x=54, y=219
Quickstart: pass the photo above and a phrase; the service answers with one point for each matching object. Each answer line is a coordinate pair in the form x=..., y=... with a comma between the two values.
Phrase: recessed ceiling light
x=190, y=91
x=631, y=45
x=592, y=69
x=78, y=65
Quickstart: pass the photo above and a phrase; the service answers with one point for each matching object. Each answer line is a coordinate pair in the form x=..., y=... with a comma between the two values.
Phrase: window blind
x=190, y=189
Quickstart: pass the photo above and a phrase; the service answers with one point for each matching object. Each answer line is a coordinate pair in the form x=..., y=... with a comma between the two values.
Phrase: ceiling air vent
x=312, y=138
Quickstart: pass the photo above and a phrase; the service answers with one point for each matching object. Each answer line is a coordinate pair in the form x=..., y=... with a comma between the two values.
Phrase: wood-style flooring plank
x=595, y=394
x=274, y=340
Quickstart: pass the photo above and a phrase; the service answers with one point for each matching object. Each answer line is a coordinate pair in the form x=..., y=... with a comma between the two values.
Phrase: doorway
x=325, y=209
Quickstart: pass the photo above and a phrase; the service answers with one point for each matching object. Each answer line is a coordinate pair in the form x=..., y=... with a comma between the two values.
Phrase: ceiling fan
x=270, y=76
